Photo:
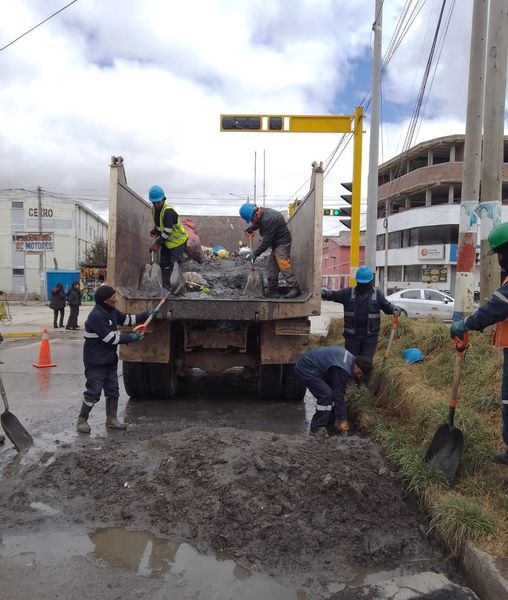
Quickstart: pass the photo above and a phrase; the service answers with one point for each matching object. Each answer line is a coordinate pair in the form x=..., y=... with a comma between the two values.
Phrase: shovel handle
x=142, y=327
x=460, y=347
x=4, y=395
x=395, y=322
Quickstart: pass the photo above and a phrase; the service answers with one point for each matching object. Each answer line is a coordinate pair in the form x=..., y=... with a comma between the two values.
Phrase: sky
x=148, y=80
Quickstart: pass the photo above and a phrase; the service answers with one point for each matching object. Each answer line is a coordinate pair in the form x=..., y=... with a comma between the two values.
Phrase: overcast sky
x=148, y=79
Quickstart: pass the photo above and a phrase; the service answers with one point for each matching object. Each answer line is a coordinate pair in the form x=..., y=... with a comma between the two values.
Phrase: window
x=394, y=239
x=413, y=273
x=433, y=295
x=16, y=204
x=395, y=273
x=18, y=271
x=380, y=241
x=411, y=294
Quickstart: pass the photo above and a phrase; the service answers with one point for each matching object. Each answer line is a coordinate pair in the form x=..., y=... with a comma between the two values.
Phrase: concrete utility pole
x=41, y=256
x=493, y=140
x=255, y=175
x=468, y=229
x=372, y=186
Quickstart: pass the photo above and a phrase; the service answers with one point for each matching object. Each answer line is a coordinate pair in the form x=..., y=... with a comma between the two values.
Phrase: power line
x=38, y=25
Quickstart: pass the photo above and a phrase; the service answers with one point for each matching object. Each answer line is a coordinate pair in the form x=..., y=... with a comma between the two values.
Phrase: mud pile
x=302, y=507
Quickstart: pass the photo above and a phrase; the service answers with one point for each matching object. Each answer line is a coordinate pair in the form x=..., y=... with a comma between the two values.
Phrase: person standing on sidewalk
x=362, y=306
x=100, y=356
x=57, y=304
x=74, y=302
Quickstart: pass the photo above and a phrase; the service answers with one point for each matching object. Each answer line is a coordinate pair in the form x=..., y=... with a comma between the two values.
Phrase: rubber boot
x=293, y=293
x=82, y=425
x=112, y=421
x=501, y=458
x=2, y=438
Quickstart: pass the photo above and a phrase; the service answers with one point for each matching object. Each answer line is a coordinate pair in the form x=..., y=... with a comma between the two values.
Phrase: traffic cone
x=44, y=352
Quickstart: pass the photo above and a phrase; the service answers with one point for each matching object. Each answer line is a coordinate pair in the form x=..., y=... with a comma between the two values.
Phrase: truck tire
x=135, y=380
x=162, y=380
x=270, y=382
x=293, y=388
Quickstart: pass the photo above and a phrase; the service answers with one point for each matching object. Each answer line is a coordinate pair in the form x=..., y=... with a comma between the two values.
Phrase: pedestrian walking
x=74, y=302
x=494, y=311
x=326, y=372
x=169, y=233
x=100, y=355
x=57, y=304
x=362, y=306
x=276, y=235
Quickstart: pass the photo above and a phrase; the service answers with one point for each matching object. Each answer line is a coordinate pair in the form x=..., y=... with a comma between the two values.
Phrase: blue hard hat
x=413, y=355
x=246, y=211
x=156, y=193
x=364, y=274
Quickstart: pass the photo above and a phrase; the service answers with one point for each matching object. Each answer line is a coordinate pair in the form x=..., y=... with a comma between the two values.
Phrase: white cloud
x=148, y=80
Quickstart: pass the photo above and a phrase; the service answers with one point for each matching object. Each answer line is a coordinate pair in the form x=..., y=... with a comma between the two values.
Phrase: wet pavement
x=44, y=559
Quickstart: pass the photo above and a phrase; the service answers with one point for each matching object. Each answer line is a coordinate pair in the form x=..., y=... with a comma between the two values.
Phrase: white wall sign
x=35, y=241
x=435, y=252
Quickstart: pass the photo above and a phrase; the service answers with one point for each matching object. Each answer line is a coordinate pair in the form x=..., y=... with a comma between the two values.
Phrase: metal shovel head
x=177, y=281
x=254, y=286
x=18, y=435
x=151, y=279
x=445, y=450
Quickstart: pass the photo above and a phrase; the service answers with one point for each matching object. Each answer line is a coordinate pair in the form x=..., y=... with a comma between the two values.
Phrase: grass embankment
x=410, y=406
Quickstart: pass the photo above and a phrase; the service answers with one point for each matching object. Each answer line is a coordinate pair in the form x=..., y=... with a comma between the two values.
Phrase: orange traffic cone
x=44, y=352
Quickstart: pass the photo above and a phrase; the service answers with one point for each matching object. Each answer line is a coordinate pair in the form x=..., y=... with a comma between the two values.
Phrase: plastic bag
x=194, y=249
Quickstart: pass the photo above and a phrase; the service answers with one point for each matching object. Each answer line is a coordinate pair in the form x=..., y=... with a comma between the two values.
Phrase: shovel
x=378, y=378
x=446, y=446
x=18, y=435
x=177, y=281
x=151, y=277
x=254, y=285
x=142, y=327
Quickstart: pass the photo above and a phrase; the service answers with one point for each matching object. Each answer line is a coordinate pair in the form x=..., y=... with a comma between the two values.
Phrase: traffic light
x=332, y=212
x=346, y=211
x=240, y=123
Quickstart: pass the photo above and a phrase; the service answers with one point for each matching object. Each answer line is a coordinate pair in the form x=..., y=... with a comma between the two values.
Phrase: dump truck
x=264, y=336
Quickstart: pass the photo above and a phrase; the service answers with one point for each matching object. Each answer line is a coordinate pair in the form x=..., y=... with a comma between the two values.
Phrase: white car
x=423, y=303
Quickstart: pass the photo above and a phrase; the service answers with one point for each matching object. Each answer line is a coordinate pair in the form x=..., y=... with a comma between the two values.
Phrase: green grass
x=458, y=519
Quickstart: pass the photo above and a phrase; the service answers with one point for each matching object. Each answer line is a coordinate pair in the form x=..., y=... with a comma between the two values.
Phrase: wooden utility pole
x=493, y=140
x=468, y=229
x=41, y=255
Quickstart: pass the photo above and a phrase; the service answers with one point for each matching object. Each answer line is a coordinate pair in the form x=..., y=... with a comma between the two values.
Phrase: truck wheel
x=162, y=380
x=270, y=382
x=134, y=380
x=293, y=388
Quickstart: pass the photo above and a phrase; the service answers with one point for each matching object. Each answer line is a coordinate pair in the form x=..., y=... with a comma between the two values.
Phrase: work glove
x=153, y=312
x=324, y=294
x=155, y=247
x=135, y=336
x=458, y=329
x=397, y=310
x=252, y=257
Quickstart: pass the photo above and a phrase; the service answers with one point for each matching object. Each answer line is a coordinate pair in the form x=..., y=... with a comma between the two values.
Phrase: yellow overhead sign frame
x=315, y=124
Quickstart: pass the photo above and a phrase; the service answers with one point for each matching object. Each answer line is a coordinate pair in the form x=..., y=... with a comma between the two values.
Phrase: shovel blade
x=254, y=286
x=18, y=435
x=445, y=450
x=177, y=281
x=151, y=279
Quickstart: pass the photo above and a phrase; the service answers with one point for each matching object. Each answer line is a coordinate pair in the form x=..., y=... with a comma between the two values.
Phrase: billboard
x=35, y=241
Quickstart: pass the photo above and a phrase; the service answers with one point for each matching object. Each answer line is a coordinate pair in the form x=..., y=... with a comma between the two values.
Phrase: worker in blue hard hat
x=168, y=233
x=362, y=306
x=275, y=233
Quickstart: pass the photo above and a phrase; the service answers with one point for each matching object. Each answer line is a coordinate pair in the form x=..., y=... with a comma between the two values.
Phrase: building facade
x=335, y=265
x=418, y=214
x=39, y=233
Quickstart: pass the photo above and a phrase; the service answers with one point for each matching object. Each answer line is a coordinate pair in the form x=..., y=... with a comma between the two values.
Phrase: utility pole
x=372, y=186
x=255, y=160
x=354, y=256
x=493, y=140
x=470, y=195
x=41, y=257
x=264, y=180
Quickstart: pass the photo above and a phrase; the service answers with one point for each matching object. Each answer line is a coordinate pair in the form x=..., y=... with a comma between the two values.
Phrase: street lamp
x=245, y=199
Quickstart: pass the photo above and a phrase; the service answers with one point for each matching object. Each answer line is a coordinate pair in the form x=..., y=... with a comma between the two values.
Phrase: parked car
x=423, y=303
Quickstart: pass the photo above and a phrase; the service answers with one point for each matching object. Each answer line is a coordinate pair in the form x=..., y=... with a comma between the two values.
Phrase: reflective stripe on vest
x=177, y=236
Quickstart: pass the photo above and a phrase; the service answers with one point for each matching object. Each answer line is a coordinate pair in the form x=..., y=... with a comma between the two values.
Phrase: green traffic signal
x=331, y=212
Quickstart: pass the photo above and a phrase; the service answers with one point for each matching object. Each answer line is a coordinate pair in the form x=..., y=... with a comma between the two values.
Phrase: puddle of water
x=143, y=554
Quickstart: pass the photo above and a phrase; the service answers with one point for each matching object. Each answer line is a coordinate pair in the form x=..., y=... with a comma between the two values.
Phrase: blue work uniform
x=326, y=372
x=100, y=350
x=362, y=321
x=493, y=311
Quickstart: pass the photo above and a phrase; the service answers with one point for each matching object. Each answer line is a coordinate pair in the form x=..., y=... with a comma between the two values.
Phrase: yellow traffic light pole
x=315, y=124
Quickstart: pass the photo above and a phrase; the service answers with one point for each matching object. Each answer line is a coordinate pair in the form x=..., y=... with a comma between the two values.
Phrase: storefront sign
x=35, y=242
x=435, y=274
x=435, y=252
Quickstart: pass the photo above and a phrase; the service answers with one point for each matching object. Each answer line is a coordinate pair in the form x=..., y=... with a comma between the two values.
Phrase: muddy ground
x=309, y=511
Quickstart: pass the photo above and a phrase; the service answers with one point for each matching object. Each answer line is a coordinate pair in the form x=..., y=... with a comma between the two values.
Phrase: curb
x=21, y=334
x=482, y=574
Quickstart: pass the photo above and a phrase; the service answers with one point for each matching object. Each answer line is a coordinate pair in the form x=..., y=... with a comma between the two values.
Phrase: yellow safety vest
x=177, y=236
